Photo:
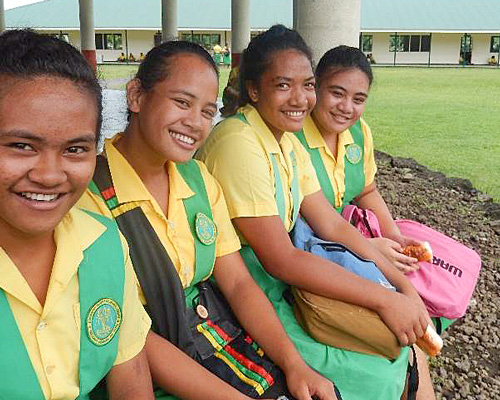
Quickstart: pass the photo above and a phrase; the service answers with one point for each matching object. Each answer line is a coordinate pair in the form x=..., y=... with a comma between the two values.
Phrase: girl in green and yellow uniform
x=172, y=102
x=340, y=144
x=267, y=178
x=70, y=311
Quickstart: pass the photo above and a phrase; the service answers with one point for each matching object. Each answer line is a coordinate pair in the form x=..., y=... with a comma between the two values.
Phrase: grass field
x=445, y=118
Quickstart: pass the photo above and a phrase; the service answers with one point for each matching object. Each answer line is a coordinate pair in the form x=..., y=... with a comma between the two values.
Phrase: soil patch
x=469, y=365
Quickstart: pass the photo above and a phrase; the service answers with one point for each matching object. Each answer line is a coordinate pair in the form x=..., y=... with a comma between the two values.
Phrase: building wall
x=481, y=48
x=445, y=48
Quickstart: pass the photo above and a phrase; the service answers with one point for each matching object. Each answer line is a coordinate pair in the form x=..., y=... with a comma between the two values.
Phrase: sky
x=16, y=3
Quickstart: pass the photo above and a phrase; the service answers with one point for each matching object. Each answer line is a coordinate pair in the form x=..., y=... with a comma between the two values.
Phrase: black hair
x=25, y=54
x=343, y=58
x=154, y=67
x=257, y=56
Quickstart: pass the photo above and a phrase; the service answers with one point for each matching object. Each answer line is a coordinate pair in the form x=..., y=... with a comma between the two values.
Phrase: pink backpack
x=363, y=220
x=446, y=284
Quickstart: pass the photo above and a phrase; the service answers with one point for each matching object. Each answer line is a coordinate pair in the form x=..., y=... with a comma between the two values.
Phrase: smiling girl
x=68, y=299
x=173, y=212
x=267, y=178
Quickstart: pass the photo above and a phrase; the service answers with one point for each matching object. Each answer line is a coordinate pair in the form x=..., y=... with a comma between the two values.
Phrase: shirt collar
x=315, y=139
x=267, y=138
x=129, y=186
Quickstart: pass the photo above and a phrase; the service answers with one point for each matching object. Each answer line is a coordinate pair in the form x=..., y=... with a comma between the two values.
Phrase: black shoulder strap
x=159, y=280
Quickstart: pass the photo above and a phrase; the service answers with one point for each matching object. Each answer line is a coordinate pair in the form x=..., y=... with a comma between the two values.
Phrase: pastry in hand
x=421, y=252
x=431, y=343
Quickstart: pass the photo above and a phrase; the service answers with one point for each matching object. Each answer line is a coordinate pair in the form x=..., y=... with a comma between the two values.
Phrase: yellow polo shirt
x=51, y=333
x=237, y=154
x=173, y=230
x=336, y=168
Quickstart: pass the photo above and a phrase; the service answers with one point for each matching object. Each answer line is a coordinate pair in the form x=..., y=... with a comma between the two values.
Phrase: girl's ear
x=253, y=92
x=134, y=94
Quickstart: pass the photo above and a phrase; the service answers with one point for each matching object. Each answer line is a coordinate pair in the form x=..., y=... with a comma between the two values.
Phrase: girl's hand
x=405, y=316
x=304, y=383
x=392, y=250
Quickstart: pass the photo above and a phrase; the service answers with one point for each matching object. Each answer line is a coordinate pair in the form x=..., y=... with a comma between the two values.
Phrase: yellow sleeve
x=92, y=202
x=240, y=165
x=227, y=239
x=370, y=166
x=308, y=180
x=136, y=322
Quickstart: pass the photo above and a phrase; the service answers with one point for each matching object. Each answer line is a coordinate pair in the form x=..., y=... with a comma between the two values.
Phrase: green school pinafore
x=358, y=376
x=99, y=295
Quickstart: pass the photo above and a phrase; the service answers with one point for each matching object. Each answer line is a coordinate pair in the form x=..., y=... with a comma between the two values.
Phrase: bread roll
x=421, y=252
x=431, y=343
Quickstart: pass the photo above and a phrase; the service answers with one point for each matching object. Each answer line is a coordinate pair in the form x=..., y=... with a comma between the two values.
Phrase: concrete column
x=87, y=32
x=328, y=23
x=169, y=24
x=240, y=28
x=2, y=17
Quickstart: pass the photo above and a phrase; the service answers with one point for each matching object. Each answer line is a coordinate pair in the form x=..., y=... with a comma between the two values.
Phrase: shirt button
x=41, y=326
x=50, y=369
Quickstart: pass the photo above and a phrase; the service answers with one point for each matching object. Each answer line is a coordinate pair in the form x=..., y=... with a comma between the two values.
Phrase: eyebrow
x=285, y=78
x=342, y=88
x=191, y=95
x=30, y=136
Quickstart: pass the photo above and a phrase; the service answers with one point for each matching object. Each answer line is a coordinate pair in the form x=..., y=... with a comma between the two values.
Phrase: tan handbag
x=344, y=325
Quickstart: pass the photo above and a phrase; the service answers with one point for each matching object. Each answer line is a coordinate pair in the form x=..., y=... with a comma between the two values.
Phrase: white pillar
x=325, y=24
x=169, y=22
x=2, y=17
x=87, y=32
x=240, y=28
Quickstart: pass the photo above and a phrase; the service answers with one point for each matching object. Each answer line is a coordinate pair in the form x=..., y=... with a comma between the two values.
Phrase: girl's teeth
x=294, y=113
x=182, y=138
x=40, y=196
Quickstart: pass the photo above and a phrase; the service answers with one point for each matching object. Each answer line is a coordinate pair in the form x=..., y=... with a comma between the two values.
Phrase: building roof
x=376, y=15
x=146, y=14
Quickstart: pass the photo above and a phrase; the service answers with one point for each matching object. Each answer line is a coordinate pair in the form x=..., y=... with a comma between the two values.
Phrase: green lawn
x=118, y=75
x=445, y=118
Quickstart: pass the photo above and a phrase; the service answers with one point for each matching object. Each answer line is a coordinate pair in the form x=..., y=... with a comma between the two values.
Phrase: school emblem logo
x=103, y=321
x=205, y=229
x=353, y=153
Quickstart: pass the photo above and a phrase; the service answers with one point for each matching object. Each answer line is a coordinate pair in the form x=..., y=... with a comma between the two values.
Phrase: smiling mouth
x=182, y=138
x=294, y=114
x=46, y=198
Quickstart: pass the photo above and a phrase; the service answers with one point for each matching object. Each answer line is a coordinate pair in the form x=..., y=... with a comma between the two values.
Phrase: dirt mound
x=469, y=365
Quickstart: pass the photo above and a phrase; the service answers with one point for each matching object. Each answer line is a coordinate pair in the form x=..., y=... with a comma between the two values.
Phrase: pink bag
x=445, y=285
x=364, y=221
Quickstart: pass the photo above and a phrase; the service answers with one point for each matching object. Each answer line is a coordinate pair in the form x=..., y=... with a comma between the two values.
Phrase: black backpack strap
x=413, y=378
x=157, y=275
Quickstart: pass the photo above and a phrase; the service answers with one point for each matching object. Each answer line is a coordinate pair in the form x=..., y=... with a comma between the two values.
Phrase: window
x=495, y=44
x=207, y=40
x=409, y=43
x=366, y=43
x=108, y=41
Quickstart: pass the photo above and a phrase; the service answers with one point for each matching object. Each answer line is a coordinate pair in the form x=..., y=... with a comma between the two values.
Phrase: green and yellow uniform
x=261, y=177
x=65, y=347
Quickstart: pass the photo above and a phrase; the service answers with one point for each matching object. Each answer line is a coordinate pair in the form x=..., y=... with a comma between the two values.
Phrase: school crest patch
x=103, y=321
x=353, y=153
x=205, y=229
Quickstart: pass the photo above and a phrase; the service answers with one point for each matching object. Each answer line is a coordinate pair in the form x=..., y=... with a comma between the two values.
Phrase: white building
x=426, y=32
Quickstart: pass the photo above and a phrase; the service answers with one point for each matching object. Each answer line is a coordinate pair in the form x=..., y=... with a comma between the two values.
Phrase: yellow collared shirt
x=51, y=333
x=173, y=230
x=237, y=154
x=336, y=168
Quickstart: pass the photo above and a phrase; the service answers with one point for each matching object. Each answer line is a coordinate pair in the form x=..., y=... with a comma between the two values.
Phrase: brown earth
x=469, y=364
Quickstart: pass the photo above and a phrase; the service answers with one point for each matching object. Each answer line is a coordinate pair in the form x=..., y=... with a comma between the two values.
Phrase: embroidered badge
x=103, y=321
x=205, y=229
x=353, y=153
